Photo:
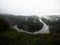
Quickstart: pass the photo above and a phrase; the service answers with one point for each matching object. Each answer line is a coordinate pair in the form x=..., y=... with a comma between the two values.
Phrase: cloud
x=30, y=7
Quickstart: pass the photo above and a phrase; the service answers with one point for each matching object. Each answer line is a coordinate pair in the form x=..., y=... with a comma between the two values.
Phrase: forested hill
x=27, y=23
x=9, y=36
x=53, y=22
x=32, y=23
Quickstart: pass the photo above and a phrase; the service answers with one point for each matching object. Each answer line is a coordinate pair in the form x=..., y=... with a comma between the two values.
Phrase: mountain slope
x=27, y=23
x=53, y=22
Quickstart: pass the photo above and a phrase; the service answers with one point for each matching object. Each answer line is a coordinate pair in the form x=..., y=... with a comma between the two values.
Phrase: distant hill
x=53, y=22
x=27, y=23
x=32, y=23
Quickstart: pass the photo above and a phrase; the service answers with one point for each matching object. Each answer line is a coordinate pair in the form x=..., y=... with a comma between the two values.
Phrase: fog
x=30, y=7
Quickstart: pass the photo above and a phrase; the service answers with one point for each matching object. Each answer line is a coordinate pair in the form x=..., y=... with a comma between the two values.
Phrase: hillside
x=53, y=22
x=9, y=36
x=27, y=25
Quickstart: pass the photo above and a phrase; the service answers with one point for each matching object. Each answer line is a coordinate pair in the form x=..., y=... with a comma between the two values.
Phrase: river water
x=45, y=29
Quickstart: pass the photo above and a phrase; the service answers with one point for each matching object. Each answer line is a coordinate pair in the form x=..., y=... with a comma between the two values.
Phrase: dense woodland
x=9, y=36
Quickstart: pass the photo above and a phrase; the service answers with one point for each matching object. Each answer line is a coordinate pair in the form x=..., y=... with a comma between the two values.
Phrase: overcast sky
x=30, y=7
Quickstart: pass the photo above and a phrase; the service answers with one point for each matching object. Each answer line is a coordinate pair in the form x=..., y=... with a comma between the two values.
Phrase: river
x=45, y=29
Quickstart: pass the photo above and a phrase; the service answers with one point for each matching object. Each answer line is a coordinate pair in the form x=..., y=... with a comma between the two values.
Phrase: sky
x=30, y=7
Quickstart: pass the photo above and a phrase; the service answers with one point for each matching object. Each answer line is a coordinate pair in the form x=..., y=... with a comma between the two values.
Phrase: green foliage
x=3, y=26
x=54, y=28
x=10, y=36
x=16, y=38
x=30, y=25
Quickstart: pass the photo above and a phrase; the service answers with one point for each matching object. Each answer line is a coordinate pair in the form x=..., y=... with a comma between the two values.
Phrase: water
x=20, y=30
x=45, y=29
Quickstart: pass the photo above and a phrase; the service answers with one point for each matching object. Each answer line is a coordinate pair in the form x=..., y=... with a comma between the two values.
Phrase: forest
x=9, y=36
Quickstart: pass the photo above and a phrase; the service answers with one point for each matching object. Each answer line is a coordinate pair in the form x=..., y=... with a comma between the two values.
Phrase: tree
x=3, y=26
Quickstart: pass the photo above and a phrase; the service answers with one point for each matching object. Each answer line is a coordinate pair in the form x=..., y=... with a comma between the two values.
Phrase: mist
x=30, y=7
